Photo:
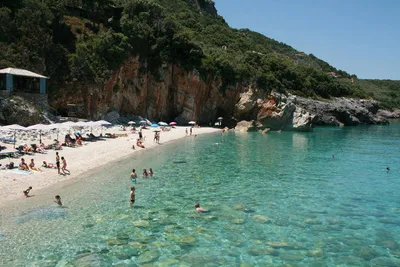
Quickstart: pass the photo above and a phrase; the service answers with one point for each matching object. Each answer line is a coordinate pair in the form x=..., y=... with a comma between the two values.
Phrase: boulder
x=112, y=117
x=245, y=126
x=16, y=110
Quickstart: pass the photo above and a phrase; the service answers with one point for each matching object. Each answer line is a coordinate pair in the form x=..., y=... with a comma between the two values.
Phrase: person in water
x=26, y=192
x=387, y=169
x=151, y=172
x=57, y=199
x=199, y=209
x=133, y=176
x=132, y=195
x=145, y=174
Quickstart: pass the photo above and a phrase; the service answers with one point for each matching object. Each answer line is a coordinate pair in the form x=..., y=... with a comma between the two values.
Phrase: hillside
x=88, y=40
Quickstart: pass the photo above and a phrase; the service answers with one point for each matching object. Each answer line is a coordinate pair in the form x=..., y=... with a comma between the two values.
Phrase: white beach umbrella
x=220, y=118
x=163, y=123
x=15, y=128
x=192, y=122
x=101, y=122
x=131, y=122
x=40, y=127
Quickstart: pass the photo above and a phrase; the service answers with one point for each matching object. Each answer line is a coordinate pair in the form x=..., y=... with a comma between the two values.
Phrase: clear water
x=275, y=199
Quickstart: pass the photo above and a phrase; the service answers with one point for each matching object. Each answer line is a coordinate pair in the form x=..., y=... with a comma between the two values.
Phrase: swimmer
x=333, y=156
x=132, y=195
x=151, y=172
x=133, y=176
x=145, y=173
x=387, y=169
x=57, y=199
x=26, y=192
x=199, y=209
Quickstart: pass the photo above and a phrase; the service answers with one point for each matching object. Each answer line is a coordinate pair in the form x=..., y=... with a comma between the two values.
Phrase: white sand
x=79, y=160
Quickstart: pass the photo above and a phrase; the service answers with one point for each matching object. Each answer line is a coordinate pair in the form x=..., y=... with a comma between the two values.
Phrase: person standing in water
x=145, y=174
x=133, y=176
x=151, y=172
x=57, y=199
x=58, y=162
x=132, y=195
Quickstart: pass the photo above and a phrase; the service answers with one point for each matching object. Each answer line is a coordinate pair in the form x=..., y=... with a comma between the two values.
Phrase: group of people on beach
x=23, y=166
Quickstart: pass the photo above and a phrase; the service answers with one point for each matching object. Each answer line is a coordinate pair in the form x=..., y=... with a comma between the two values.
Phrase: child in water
x=57, y=199
x=151, y=172
x=26, y=192
x=145, y=173
x=133, y=176
x=132, y=195
x=199, y=209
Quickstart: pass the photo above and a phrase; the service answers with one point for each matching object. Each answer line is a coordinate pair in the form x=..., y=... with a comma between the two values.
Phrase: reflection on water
x=275, y=199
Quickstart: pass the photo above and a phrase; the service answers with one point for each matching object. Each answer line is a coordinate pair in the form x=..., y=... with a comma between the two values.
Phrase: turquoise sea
x=275, y=199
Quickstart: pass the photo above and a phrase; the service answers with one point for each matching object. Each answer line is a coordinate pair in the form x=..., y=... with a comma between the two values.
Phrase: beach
x=82, y=159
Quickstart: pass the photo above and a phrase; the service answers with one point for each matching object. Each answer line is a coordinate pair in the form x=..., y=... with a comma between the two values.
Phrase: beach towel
x=21, y=172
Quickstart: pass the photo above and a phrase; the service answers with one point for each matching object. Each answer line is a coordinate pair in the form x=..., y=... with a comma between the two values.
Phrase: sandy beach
x=80, y=159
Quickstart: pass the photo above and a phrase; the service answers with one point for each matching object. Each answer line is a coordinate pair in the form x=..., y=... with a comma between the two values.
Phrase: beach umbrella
x=163, y=123
x=192, y=122
x=155, y=125
x=131, y=122
x=40, y=127
x=143, y=122
x=80, y=124
x=173, y=123
x=101, y=123
x=220, y=118
x=15, y=128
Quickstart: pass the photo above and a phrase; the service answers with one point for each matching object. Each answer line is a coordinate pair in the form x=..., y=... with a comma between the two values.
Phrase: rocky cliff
x=180, y=95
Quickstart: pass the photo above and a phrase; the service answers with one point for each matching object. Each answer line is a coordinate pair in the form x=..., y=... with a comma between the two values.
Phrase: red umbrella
x=173, y=123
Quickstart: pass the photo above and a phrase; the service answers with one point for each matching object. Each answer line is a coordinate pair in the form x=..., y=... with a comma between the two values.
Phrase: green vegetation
x=86, y=40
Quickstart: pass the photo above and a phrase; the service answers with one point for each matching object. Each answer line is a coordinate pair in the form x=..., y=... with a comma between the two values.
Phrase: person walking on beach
x=132, y=195
x=64, y=166
x=26, y=192
x=133, y=176
x=186, y=131
x=191, y=129
x=57, y=199
x=58, y=162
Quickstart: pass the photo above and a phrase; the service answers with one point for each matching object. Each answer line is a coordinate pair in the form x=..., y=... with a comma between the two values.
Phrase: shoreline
x=81, y=161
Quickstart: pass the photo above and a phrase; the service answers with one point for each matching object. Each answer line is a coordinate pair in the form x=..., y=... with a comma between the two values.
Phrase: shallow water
x=274, y=199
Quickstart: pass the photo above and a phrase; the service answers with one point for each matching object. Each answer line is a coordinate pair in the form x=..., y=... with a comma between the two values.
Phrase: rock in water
x=42, y=213
x=89, y=260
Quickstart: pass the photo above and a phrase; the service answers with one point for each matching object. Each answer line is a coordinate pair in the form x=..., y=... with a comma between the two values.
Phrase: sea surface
x=274, y=199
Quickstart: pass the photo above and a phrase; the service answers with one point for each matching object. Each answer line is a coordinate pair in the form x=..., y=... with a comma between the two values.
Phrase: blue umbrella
x=155, y=125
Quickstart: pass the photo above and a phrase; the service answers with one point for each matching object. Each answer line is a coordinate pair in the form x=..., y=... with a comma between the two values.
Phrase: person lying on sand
x=48, y=165
x=199, y=209
x=23, y=166
x=32, y=166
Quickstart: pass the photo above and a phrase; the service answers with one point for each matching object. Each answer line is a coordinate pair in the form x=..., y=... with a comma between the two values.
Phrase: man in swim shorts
x=133, y=176
x=58, y=162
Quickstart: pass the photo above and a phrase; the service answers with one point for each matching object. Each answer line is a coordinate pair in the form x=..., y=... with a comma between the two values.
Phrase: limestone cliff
x=180, y=95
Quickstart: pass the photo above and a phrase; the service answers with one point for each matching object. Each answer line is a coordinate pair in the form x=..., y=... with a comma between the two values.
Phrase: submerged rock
x=366, y=253
x=89, y=260
x=261, y=219
x=148, y=256
x=141, y=223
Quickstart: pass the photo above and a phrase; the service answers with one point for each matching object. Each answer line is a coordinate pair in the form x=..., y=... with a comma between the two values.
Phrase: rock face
x=183, y=96
x=16, y=110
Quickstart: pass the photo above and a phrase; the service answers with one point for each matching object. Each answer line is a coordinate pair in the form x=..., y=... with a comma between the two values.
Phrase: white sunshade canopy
x=101, y=122
x=192, y=122
x=14, y=127
x=21, y=72
x=40, y=127
x=131, y=122
x=162, y=123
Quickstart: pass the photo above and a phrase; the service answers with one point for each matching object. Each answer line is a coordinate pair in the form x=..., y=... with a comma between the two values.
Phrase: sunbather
x=32, y=166
x=139, y=143
x=48, y=165
x=23, y=166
